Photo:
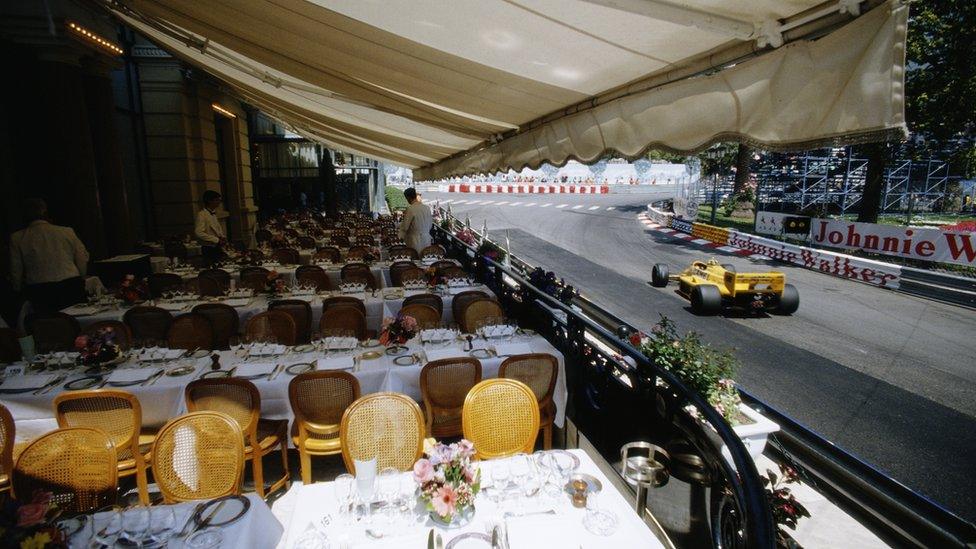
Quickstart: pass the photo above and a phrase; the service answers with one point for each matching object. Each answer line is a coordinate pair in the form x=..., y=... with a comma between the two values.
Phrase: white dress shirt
x=416, y=224
x=46, y=253
x=208, y=229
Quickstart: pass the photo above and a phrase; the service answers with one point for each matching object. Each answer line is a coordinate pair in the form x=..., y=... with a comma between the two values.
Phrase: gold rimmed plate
x=396, y=350
x=216, y=374
x=180, y=371
x=481, y=353
x=369, y=343
x=86, y=382
x=371, y=355
x=406, y=360
x=299, y=368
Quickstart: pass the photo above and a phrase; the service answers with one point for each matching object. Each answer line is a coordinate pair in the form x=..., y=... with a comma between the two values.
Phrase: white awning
x=477, y=86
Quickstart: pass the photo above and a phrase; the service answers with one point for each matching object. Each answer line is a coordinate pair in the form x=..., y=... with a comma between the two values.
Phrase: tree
x=743, y=168
x=940, y=102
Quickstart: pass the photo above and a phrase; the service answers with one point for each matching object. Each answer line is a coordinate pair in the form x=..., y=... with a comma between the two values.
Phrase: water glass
x=106, y=527
x=135, y=524
x=161, y=524
x=210, y=538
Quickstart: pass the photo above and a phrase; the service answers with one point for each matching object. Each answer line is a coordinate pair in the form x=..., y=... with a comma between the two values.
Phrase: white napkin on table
x=342, y=343
x=253, y=369
x=131, y=375
x=512, y=349
x=439, y=354
x=267, y=350
x=437, y=334
x=499, y=330
x=26, y=381
x=336, y=363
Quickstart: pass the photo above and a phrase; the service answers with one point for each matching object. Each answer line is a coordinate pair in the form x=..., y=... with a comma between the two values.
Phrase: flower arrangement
x=491, y=250
x=399, y=330
x=132, y=291
x=547, y=282
x=448, y=480
x=31, y=525
x=433, y=277
x=275, y=283
x=467, y=236
x=98, y=348
x=703, y=369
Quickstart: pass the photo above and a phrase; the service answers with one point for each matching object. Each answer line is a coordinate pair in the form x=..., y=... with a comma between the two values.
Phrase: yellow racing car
x=711, y=286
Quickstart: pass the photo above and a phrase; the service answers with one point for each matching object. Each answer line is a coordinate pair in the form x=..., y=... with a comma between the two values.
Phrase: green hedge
x=395, y=200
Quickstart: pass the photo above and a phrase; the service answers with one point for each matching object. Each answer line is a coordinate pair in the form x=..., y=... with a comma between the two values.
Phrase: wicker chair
x=345, y=318
x=343, y=300
x=387, y=426
x=9, y=346
x=306, y=243
x=198, y=456
x=118, y=414
x=403, y=251
x=404, y=270
x=425, y=315
x=286, y=256
x=77, y=466
x=190, y=331
x=255, y=278
x=262, y=235
x=358, y=272
x=453, y=272
x=358, y=253
x=300, y=311
x=221, y=276
x=164, y=282
x=444, y=384
x=224, y=321
x=339, y=241
x=434, y=250
x=539, y=371
x=432, y=300
x=54, y=332
x=240, y=399
x=7, y=432
x=501, y=418
x=478, y=310
x=203, y=286
x=443, y=264
x=271, y=323
x=314, y=274
x=318, y=400
x=147, y=322
x=123, y=336
x=331, y=254
x=461, y=301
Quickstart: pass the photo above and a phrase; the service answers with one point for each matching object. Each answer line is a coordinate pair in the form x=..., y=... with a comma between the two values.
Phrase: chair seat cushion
x=270, y=432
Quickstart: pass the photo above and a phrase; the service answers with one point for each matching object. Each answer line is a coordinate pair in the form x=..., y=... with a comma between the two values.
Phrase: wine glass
x=343, y=488
x=135, y=523
x=520, y=473
x=106, y=527
x=161, y=524
x=602, y=522
x=500, y=475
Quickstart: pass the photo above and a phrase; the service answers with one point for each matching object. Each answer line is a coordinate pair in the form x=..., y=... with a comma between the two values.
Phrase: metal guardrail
x=957, y=290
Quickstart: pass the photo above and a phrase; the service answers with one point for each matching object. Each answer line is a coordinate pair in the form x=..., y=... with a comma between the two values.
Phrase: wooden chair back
x=501, y=418
x=387, y=426
x=198, y=456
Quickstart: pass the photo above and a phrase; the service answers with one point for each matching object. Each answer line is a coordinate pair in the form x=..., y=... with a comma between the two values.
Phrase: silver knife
x=152, y=379
x=275, y=372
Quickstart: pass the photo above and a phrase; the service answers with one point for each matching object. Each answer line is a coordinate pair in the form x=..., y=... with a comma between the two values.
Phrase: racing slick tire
x=706, y=299
x=789, y=301
x=660, y=275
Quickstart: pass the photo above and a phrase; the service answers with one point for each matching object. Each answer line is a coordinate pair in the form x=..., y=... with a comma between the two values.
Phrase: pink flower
x=466, y=447
x=444, y=501
x=31, y=514
x=81, y=342
x=387, y=321
x=423, y=471
x=409, y=323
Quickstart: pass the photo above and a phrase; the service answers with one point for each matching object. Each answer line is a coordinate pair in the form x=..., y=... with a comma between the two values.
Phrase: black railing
x=616, y=395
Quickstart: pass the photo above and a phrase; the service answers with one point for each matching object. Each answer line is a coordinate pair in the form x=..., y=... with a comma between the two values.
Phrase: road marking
x=562, y=205
x=594, y=208
x=576, y=207
x=501, y=203
x=514, y=203
x=530, y=204
x=473, y=202
x=448, y=201
x=460, y=201
x=610, y=209
x=546, y=205
x=486, y=202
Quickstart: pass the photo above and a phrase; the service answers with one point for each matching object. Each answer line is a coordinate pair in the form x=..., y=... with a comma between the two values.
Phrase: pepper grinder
x=579, y=493
x=215, y=362
x=470, y=339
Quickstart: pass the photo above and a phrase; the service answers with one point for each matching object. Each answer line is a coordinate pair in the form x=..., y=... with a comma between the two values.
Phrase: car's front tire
x=660, y=275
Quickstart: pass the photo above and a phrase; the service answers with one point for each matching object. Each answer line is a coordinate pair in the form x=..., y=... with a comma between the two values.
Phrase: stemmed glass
x=344, y=493
x=161, y=524
x=521, y=471
x=106, y=528
x=499, y=479
x=135, y=524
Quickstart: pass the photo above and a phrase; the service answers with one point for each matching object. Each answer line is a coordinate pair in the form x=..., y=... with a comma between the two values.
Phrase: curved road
x=889, y=377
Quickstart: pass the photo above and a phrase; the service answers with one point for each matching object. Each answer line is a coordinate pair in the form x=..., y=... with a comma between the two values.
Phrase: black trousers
x=50, y=297
x=211, y=254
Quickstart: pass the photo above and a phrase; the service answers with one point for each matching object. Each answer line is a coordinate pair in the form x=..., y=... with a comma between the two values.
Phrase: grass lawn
x=705, y=216
x=394, y=199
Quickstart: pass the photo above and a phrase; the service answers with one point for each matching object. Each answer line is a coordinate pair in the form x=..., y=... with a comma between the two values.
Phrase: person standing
x=417, y=221
x=47, y=261
x=208, y=230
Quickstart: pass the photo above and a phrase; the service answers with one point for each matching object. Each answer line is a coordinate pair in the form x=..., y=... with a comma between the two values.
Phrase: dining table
x=157, y=377
x=318, y=514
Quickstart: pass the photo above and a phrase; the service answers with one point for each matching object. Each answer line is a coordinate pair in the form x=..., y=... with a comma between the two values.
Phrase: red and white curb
x=701, y=242
x=523, y=189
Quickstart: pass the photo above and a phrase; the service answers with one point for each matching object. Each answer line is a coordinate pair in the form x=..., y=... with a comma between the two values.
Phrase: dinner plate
x=406, y=360
x=180, y=371
x=371, y=343
x=469, y=539
x=222, y=511
x=371, y=355
x=304, y=348
x=300, y=368
x=395, y=350
x=127, y=383
x=200, y=353
x=216, y=374
x=86, y=382
x=481, y=353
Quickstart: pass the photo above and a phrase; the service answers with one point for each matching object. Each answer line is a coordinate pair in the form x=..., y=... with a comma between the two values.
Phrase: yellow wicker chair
x=76, y=465
x=388, y=426
x=444, y=384
x=501, y=418
x=199, y=455
x=478, y=310
x=7, y=431
x=539, y=371
x=118, y=414
x=240, y=399
x=318, y=400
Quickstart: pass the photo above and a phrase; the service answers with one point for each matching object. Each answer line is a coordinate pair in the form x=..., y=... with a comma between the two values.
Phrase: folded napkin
x=26, y=381
x=418, y=285
x=131, y=375
x=267, y=350
x=342, y=343
x=512, y=349
x=440, y=334
x=81, y=310
x=335, y=363
x=499, y=330
x=458, y=282
x=440, y=354
x=352, y=288
x=253, y=369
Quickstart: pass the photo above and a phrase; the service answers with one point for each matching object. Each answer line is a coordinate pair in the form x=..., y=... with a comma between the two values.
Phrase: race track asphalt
x=889, y=377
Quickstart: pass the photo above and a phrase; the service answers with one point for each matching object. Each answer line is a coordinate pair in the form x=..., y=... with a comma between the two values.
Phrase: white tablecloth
x=163, y=399
x=304, y=506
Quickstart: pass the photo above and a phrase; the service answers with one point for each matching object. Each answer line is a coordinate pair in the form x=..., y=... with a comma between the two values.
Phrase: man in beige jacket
x=417, y=221
x=47, y=261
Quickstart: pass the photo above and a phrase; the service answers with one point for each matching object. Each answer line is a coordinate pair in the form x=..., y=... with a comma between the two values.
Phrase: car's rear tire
x=789, y=301
x=659, y=275
x=706, y=299
x=728, y=267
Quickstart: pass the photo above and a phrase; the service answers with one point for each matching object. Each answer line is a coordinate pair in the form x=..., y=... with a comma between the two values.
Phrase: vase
x=457, y=520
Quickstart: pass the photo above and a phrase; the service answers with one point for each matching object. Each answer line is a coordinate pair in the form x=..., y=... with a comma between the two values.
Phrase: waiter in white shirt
x=208, y=229
x=47, y=261
x=417, y=221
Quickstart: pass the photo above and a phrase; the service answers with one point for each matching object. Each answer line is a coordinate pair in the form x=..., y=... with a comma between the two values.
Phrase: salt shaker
x=579, y=493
